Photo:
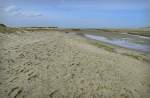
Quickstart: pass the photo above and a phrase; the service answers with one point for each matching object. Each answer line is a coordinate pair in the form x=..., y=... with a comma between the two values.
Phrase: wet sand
x=57, y=65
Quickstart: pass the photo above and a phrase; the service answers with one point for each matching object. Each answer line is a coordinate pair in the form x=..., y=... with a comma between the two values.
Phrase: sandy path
x=55, y=65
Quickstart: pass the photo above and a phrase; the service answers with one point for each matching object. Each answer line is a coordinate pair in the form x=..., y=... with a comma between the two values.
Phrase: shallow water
x=129, y=41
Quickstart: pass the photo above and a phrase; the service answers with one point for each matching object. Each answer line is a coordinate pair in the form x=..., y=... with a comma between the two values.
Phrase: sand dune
x=57, y=65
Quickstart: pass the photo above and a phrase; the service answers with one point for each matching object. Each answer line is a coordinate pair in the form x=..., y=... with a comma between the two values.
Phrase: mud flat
x=53, y=64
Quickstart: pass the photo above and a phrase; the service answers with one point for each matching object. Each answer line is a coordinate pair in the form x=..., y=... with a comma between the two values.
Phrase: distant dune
x=2, y=25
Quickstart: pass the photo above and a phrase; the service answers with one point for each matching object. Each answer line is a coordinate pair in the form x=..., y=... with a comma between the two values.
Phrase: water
x=138, y=43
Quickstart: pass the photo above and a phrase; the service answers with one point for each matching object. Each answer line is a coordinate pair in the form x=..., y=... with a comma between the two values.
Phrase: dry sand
x=58, y=65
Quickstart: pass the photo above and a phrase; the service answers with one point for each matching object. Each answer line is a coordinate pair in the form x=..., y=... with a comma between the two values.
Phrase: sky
x=76, y=13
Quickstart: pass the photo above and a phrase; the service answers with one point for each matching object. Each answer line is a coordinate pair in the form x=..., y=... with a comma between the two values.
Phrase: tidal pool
x=125, y=40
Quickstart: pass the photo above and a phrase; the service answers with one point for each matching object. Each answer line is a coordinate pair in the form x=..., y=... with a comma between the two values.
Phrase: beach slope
x=58, y=65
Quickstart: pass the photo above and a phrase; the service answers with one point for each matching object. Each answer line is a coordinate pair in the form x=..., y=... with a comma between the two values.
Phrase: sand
x=58, y=65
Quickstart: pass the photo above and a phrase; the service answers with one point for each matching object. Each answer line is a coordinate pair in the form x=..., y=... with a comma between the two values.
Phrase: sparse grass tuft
x=138, y=57
x=133, y=56
x=76, y=29
x=7, y=30
x=104, y=46
x=142, y=33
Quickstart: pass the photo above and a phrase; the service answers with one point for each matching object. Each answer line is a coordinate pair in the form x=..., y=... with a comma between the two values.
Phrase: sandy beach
x=58, y=65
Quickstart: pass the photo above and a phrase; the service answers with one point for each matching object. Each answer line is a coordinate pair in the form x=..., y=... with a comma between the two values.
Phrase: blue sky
x=76, y=13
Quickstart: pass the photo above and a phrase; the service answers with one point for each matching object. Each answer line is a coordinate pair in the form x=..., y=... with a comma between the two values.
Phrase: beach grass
x=7, y=29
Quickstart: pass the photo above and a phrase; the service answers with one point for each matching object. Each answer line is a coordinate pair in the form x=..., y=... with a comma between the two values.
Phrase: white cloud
x=28, y=14
x=15, y=11
x=11, y=8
